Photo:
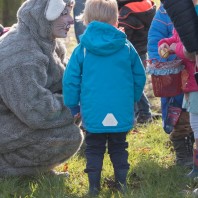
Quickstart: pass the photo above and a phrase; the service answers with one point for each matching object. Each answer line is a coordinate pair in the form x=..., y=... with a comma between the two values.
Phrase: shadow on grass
x=147, y=179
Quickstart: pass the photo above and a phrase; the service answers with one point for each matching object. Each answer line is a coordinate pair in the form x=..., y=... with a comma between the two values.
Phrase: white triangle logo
x=110, y=120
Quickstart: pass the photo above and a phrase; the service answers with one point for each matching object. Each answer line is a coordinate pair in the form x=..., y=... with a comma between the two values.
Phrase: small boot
x=94, y=183
x=120, y=179
x=194, y=172
x=184, y=151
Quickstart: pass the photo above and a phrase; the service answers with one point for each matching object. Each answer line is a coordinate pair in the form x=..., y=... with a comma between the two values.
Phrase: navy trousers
x=96, y=144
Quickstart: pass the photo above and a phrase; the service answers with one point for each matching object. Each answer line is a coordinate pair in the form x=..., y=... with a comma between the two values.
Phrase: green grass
x=152, y=173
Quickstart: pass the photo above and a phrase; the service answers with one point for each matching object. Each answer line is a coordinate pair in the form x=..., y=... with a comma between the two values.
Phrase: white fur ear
x=54, y=9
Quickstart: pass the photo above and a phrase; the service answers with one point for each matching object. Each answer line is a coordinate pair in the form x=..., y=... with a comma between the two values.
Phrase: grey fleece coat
x=36, y=129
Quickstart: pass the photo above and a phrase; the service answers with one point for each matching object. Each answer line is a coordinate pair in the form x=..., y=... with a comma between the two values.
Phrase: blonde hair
x=100, y=10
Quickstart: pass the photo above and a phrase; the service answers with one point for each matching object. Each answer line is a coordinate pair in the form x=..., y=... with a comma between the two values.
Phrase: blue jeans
x=78, y=26
x=142, y=107
x=96, y=146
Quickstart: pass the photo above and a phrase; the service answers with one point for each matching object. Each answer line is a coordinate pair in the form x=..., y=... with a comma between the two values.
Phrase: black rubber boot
x=94, y=183
x=120, y=179
x=184, y=151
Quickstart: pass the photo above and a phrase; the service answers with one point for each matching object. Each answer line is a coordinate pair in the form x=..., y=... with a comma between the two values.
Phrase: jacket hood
x=102, y=38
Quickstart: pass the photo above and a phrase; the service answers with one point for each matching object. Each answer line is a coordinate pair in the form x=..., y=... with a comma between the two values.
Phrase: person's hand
x=77, y=119
x=164, y=50
x=172, y=48
x=121, y=29
x=77, y=116
x=75, y=111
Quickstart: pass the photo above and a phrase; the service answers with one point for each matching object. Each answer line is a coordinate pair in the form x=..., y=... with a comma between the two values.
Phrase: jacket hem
x=109, y=130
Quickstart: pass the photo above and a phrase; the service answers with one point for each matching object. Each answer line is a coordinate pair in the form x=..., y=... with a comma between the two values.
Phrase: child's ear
x=54, y=9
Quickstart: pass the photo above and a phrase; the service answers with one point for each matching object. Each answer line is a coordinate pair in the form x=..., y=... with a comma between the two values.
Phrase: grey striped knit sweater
x=37, y=131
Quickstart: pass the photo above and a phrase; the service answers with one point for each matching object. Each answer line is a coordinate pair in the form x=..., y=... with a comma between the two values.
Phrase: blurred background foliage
x=8, y=10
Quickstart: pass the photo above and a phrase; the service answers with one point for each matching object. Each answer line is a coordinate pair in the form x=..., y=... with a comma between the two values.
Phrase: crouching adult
x=37, y=131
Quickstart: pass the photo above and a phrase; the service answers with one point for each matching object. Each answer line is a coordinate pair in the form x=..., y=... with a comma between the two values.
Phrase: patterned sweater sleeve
x=23, y=90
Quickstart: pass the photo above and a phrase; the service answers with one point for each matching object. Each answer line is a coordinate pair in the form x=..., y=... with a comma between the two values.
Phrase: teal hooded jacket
x=105, y=76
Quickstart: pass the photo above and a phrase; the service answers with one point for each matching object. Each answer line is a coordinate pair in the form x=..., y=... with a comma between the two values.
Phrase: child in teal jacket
x=103, y=79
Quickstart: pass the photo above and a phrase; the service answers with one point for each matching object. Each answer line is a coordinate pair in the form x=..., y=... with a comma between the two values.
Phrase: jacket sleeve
x=139, y=75
x=24, y=92
x=179, y=51
x=185, y=21
x=72, y=80
x=169, y=41
x=161, y=27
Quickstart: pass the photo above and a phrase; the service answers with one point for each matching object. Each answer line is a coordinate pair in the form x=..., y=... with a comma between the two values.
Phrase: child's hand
x=122, y=29
x=164, y=50
x=172, y=48
x=75, y=110
x=77, y=118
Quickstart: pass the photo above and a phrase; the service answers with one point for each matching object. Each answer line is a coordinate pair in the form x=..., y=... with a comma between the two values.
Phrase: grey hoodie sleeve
x=24, y=91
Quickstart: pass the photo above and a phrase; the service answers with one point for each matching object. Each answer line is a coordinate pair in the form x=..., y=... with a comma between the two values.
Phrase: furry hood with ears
x=37, y=15
x=55, y=7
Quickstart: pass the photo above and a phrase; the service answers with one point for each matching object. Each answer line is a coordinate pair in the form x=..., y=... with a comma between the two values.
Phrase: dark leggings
x=96, y=146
